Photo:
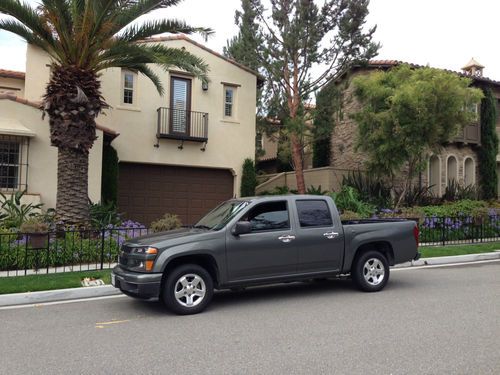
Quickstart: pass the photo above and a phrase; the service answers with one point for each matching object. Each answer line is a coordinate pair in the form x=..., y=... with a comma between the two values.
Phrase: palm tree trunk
x=72, y=186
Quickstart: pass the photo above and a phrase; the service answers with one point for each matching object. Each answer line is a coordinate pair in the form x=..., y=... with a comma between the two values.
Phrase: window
x=229, y=100
x=314, y=213
x=469, y=172
x=259, y=144
x=129, y=82
x=269, y=216
x=13, y=164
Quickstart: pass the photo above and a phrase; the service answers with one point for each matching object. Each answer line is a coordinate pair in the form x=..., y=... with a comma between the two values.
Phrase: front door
x=319, y=239
x=180, y=106
x=269, y=250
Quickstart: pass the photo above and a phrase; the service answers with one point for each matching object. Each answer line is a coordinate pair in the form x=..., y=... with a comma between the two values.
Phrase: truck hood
x=165, y=238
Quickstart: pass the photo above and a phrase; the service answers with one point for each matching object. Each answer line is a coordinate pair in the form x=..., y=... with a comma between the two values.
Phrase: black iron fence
x=82, y=250
x=62, y=251
x=436, y=231
x=183, y=125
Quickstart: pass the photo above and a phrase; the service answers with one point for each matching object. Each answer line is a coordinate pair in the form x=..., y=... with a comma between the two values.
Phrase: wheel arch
x=205, y=261
x=383, y=247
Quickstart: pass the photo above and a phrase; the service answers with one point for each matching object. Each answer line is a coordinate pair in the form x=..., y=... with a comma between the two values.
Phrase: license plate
x=113, y=281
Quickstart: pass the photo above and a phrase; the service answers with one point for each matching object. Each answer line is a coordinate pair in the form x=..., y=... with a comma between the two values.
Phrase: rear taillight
x=416, y=233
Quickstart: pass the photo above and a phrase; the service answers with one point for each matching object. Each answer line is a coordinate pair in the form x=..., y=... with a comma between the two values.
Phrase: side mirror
x=241, y=227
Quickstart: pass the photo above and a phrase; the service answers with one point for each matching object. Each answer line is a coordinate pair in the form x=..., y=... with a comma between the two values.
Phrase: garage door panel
x=146, y=192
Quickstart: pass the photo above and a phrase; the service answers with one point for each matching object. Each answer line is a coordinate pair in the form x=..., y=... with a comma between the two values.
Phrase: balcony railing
x=182, y=125
x=470, y=134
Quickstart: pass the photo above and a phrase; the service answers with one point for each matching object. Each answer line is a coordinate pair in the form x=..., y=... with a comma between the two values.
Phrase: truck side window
x=269, y=216
x=314, y=213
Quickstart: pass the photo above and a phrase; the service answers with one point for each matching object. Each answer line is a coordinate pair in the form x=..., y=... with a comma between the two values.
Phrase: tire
x=370, y=271
x=188, y=289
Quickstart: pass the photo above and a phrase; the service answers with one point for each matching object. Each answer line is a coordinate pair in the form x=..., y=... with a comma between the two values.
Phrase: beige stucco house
x=179, y=153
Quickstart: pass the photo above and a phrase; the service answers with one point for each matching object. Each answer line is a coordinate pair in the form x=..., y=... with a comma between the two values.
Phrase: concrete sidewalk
x=31, y=298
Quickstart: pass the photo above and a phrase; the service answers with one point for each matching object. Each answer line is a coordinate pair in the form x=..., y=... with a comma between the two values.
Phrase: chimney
x=473, y=68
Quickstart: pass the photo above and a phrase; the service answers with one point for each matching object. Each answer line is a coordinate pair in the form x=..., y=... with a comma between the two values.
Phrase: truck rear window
x=314, y=213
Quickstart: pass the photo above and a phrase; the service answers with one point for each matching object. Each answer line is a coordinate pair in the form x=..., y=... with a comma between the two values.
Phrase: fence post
x=443, y=231
x=102, y=248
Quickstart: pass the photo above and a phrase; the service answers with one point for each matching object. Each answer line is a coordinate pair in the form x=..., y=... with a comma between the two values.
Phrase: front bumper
x=135, y=284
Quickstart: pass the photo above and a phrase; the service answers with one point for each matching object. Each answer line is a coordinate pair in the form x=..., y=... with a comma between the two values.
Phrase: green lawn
x=33, y=283
x=440, y=251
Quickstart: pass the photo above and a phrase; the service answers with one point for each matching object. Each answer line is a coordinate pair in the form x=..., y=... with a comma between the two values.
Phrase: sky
x=439, y=33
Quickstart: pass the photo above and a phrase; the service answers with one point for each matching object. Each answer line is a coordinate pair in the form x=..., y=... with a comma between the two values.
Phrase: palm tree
x=84, y=37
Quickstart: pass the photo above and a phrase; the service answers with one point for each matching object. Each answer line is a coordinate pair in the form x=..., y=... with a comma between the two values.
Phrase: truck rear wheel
x=188, y=289
x=370, y=271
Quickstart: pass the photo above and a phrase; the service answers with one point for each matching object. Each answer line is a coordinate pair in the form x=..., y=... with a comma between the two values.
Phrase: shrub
x=417, y=196
x=316, y=190
x=167, y=222
x=455, y=192
x=103, y=215
x=370, y=189
x=109, y=181
x=460, y=208
x=348, y=200
x=13, y=213
x=487, y=153
x=248, y=179
x=34, y=225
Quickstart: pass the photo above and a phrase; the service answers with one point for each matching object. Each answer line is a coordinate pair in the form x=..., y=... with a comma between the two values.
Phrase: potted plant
x=36, y=230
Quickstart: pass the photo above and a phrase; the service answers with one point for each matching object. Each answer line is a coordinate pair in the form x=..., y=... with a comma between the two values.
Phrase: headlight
x=144, y=250
x=149, y=254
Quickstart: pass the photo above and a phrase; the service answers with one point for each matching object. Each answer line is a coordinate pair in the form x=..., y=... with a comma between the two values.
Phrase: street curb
x=450, y=259
x=31, y=298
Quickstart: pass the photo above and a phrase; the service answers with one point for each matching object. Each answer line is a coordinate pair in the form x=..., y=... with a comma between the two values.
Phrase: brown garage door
x=146, y=192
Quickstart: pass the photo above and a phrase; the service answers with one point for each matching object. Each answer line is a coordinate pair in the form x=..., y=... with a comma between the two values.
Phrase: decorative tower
x=473, y=68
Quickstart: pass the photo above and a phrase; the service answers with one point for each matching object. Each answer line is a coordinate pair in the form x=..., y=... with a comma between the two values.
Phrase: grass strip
x=441, y=251
x=34, y=283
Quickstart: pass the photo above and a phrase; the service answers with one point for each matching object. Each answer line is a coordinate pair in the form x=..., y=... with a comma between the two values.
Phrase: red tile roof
x=12, y=74
x=385, y=64
x=38, y=105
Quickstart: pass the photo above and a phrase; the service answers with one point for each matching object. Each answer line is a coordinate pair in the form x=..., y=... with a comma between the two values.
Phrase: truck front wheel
x=370, y=271
x=188, y=289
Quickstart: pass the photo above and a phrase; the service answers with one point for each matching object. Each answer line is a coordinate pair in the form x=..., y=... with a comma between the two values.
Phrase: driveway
x=434, y=320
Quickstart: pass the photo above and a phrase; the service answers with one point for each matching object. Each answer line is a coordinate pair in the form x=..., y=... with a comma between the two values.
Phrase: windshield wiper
x=202, y=227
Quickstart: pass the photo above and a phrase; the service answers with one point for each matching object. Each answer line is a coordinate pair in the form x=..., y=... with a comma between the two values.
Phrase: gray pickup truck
x=261, y=240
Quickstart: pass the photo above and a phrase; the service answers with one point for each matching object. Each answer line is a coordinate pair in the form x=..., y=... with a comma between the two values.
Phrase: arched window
x=434, y=175
x=451, y=170
x=469, y=171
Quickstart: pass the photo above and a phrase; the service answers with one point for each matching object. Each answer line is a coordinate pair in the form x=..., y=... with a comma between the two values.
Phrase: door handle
x=286, y=239
x=331, y=235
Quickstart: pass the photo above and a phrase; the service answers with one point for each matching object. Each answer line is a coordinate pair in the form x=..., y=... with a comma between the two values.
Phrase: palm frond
x=148, y=72
x=29, y=18
x=150, y=28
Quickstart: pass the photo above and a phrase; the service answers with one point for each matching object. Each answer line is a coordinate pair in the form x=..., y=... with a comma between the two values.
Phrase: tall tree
x=82, y=38
x=407, y=113
x=245, y=46
x=299, y=37
x=489, y=147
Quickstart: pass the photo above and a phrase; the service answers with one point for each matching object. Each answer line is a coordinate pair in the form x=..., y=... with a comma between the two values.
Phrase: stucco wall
x=229, y=142
x=42, y=159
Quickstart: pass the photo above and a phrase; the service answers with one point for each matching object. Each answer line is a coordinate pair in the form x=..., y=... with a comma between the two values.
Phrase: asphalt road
x=426, y=321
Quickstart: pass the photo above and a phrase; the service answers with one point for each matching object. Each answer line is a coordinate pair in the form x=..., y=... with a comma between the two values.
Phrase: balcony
x=182, y=125
x=471, y=134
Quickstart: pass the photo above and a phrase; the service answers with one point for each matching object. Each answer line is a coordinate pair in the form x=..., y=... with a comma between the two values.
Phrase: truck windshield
x=221, y=215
